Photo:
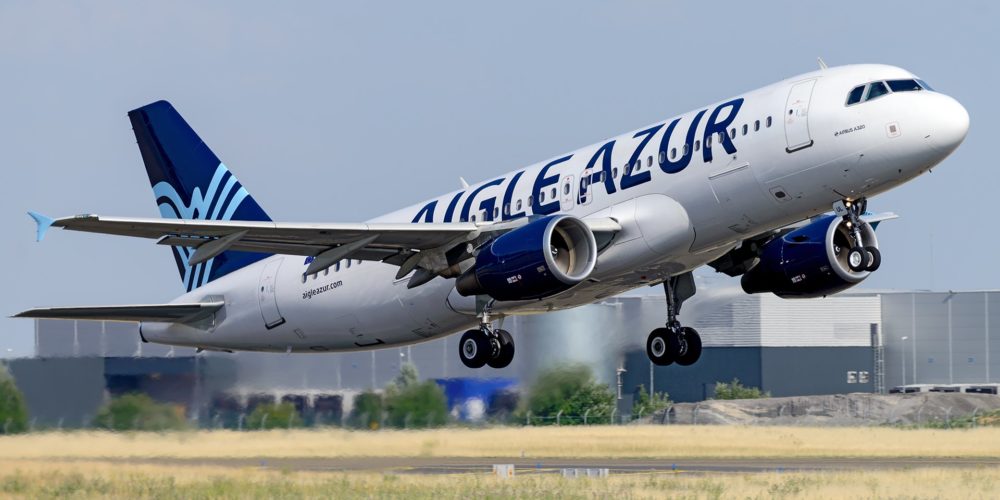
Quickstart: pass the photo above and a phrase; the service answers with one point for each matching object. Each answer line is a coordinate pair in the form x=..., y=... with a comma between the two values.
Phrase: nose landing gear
x=861, y=257
x=675, y=343
x=486, y=345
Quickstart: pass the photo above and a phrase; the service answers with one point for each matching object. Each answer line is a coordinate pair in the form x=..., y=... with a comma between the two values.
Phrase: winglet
x=44, y=223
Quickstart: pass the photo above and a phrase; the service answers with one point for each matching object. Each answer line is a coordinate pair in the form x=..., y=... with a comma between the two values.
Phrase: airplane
x=771, y=185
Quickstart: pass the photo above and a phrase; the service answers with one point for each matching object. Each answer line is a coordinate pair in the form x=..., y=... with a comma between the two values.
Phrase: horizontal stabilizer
x=167, y=313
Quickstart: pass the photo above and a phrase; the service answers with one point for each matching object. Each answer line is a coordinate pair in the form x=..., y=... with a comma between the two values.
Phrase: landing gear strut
x=861, y=257
x=675, y=343
x=486, y=345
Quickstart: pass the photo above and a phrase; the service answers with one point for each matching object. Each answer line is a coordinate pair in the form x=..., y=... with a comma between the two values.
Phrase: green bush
x=13, y=411
x=367, y=411
x=274, y=416
x=571, y=389
x=736, y=390
x=645, y=406
x=410, y=403
x=139, y=412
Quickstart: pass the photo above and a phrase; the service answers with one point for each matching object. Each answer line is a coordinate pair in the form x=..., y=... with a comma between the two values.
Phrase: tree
x=645, y=406
x=367, y=411
x=139, y=412
x=571, y=389
x=411, y=403
x=274, y=416
x=736, y=390
x=13, y=411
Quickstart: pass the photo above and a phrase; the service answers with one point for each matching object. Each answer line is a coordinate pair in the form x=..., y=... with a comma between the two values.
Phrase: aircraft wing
x=144, y=312
x=409, y=246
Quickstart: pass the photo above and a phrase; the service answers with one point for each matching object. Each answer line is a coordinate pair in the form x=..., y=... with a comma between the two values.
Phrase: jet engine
x=542, y=258
x=814, y=260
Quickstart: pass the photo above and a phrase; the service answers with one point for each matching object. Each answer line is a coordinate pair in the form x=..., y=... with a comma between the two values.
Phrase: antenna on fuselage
x=822, y=63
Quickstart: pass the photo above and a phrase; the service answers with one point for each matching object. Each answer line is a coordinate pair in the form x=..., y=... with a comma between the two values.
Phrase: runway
x=463, y=465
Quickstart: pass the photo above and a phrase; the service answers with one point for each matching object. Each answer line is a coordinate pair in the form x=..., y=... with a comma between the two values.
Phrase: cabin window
x=337, y=268
x=732, y=133
x=472, y=219
x=697, y=145
x=518, y=205
x=684, y=152
x=673, y=153
x=756, y=125
x=903, y=85
x=303, y=279
x=541, y=197
x=531, y=200
x=506, y=209
x=876, y=90
x=496, y=212
x=855, y=96
x=663, y=157
x=767, y=122
x=326, y=272
x=554, y=194
x=708, y=142
x=744, y=129
x=649, y=161
x=348, y=263
x=614, y=173
x=566, y=188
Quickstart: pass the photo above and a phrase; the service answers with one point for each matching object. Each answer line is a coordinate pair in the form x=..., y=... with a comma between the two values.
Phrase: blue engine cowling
x=808, y=262
x=542, y=258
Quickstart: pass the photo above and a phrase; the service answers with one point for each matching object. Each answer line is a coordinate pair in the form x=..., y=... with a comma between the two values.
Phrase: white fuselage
x=803, y=149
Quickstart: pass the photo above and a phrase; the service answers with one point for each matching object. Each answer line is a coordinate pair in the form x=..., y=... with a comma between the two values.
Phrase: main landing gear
x=486, y=345
x=675, y=343
x=861, y=257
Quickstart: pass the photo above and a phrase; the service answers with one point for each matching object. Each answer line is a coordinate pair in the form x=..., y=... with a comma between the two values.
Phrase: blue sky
x=339, y=112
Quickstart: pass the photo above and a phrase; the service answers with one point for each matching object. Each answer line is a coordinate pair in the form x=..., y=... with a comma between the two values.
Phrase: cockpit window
x=903, y=85
x=875, y=90
x=855, y=96
x=925, y=86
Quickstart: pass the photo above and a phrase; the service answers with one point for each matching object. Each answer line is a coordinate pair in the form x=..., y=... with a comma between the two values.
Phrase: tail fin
x=190, y=182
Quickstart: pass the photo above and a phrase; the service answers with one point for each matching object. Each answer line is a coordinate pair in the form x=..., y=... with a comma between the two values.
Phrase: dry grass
x=597, y=441
x=38, y=479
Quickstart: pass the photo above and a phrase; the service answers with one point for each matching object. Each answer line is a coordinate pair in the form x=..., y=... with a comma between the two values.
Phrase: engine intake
x=544, y=257
x=811, y=261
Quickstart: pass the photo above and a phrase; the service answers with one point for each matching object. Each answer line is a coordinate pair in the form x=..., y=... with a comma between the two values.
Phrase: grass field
x=90, y=464
x=38, y=479
x=654, y=441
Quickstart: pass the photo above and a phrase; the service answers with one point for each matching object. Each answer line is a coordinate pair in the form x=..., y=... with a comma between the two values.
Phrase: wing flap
x=169, y=313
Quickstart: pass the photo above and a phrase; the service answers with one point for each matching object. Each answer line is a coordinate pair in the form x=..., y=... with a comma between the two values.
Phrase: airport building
x=852, y=342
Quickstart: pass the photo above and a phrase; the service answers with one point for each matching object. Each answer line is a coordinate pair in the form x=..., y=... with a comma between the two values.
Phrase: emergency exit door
x=797, y=116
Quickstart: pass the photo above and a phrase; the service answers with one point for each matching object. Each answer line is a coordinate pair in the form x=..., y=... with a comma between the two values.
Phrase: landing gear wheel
x=874, y=259
x=692, y=346
x=475, y=348
x=506, y=354
x=658, y=347
x=857, y=259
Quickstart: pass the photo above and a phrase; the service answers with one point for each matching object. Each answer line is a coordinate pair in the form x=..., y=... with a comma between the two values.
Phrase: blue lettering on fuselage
x=486, y=205
x=600, y=163
x=542, y=182
x=630, y=178
x=508, y=197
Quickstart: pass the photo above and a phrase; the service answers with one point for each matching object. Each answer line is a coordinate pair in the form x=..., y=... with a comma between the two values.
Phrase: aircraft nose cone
x=950, y=124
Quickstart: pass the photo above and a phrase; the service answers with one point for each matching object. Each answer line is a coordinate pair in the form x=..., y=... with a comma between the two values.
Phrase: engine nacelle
x=539, y=259
x=808, y=262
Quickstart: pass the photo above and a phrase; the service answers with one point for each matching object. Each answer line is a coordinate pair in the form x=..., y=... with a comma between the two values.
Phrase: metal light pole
x=904, y=339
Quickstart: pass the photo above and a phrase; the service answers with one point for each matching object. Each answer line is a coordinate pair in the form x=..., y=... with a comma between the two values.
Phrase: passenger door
x=797, y=135
x=266, y=296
